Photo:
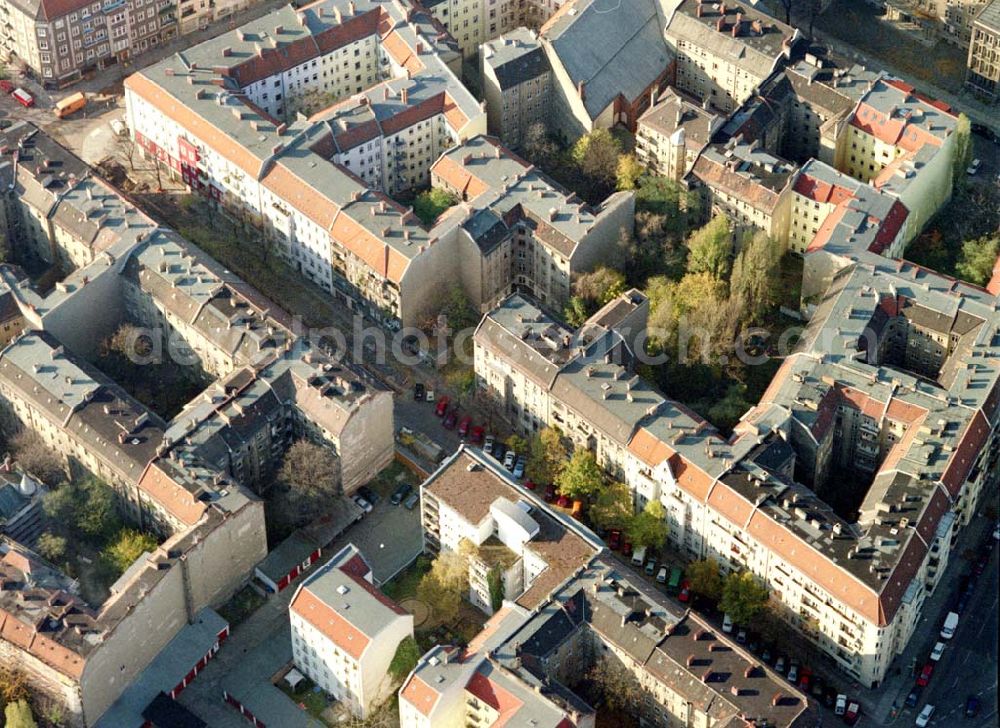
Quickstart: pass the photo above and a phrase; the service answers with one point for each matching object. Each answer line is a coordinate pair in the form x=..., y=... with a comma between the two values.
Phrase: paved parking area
x=389, y=538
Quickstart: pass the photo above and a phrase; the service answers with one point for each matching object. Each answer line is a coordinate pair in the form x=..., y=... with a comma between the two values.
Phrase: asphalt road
x=969, y=664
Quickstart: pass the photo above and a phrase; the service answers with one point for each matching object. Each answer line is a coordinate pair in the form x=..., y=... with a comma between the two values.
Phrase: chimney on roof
x=722, y=9
x=553, y=212
x=279, y=29
x=404, y=96
x=699, y=10
x=720, y=24
x=737, y=24
x=757, y=26
x=337, y=16
x=241, y=35
x=581, y=89
x=350, y=7
x=420, y=47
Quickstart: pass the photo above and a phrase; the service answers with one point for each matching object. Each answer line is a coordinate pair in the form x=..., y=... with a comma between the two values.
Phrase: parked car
x=429, y=397
x=974, y=167
x=363, y=504
x=509, y=459
x=24, y=98
x=418, y=392
x=853, y=712
x=805, y=679
x=925, y=674
x=411, y=501
x=741, y=636
x=727, y=624
x=830, y=697
x=550, y=496
x=563, y=501
x=937, y=651
x=685, y=593
x=650, y=567
x=753, y=642
x=442, y=406
x=464, y=425
x=780, y=664
x=614, y=538
x=488, y=444
x=913, y=697
x=793, y=672
x=841, y=705
x=530, y=484
x=972, y=706
x=117, y=126
x=949, y=626
x=450, y=420
x=476, y=435
x=400, y=494
x=518, y=471
x=499, y=450
x=626, y=548
x=661, y=575
x=818, y=688
x=767, y=654
x=996, y=533
x=368, y=494
x=925, y=716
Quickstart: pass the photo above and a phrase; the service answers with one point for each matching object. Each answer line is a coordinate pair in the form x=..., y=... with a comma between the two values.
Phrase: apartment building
x=474, y=22
x=317, y=187
x=531, y=655
x=725, y=51
x=852, y=405
x=749, y=185
x=672, y=133
x=518, y=230
x=517, y=551
x=605, y=65
x=185, y=480
x=948, y=20
x=829, y=205
x=902, y=143
x=517, y=84
x=345, y=632
x=983, y=74
x=60, y=42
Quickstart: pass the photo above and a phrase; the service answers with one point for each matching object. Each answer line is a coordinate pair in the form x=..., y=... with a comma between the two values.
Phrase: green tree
x=462, y=381
x=455, y=307
x=518, y=444
x=128, y=547
x=51, y=546
x=596, y=155
x=98, y=519
x=743, y=597
x=547, y=456
x=978, y=258
x=613, y=507
x=406, y=658
x=726, y=412
x=494, y=580
x=705, y=579
x=710, y=248
x=576, y=312
x=600, y=285
x=628, y=172
x=755, y=275
x=443, y=587
x=649, y=528
x=963, y=149
x=580, y=477
x=429, y=204
x=18, y=715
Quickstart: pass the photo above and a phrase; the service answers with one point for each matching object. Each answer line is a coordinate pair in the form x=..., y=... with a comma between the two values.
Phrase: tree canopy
x=755, y=275
x=596, y=154
x=127, y=547
x=443, y=587
x=547, y=456
x=581, y=476
x=649, y=527
x=18, y=715
x=35, y=457
x=311, y=469
x=406, y=658
x=705, y=579
x=710, y=248
x=743, y=597
x=978, y=258
x=429, y=204
x=84, y=508
x=613, y=506
x=628, y=172
x=600, y=285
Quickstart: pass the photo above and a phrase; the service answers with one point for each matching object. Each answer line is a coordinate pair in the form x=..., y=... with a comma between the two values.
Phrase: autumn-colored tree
x=34, y=456
x=581, y=476
x=705, y=579
x=600, y=285
x=743, y=597
x=628, y=172
x=547, y=456
x=443, y=587
x=128, y=547
x=311, y=469
x=755, y=275
x=51, y=546
x=649, y=527
x=19, y=715
x=710, y=248
x=612, y=508
x=596, y=155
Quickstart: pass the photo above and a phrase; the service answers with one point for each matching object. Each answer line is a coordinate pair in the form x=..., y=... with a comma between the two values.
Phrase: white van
x=925, y=716
x=949, y=626
x=639, y=556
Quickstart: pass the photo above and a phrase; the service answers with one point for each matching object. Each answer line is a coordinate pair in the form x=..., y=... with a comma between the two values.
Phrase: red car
x=7, y=87
x=442, y=406
x=685, y=592
x=449, y=420
x=627, y=548
x=614, y=540
x=464, y=425
x=477, y=435
x=564, y=502
x=853, y=713
x=550, y=493
x=925, y=674
x=805, y=679
x=529, y=484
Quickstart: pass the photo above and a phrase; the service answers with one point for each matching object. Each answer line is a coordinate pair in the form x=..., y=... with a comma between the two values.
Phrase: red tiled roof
x=329, y=623
x=502, y=701
x=420, y=695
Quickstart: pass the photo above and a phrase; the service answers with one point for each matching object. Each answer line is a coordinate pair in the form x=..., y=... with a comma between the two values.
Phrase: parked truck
x=71, y=104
